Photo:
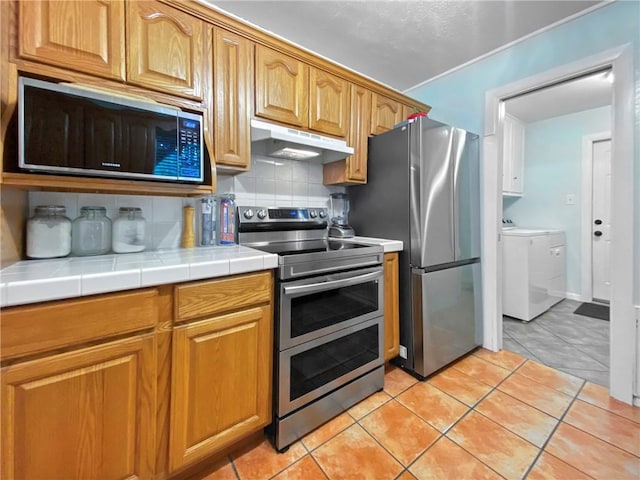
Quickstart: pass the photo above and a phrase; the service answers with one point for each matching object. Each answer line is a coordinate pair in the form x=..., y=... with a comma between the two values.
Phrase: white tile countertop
x=31, y=281
x=388, y=245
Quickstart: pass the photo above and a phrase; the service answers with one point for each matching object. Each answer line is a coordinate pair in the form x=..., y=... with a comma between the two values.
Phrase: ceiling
x=584, y=93
x=402, y=43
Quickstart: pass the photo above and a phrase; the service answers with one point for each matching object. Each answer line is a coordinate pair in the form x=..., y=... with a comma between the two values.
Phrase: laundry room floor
x=572, y=343
x=487, y=416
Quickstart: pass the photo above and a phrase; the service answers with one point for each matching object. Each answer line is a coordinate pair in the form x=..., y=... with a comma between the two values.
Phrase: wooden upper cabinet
x=86, y=36
x=282, y=87
x=328, y=103
x=221, y=382
x=385, y=114
x=84, y=414
x=353, y=170
x=165, y=49
x=232, y=76
x=358, y=134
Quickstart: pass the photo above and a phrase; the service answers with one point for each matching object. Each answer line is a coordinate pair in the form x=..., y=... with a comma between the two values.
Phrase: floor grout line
x=542, y=449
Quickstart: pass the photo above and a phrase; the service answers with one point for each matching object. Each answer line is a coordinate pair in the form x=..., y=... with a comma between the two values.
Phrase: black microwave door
x=140, y=142
x=53, y=130
x=103, y=135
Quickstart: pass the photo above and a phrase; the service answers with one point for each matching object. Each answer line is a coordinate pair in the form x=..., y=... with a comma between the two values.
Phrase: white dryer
x=533, y=267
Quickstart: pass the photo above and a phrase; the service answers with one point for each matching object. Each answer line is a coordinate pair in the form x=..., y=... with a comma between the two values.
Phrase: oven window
x=321, y=365
x=313, y=312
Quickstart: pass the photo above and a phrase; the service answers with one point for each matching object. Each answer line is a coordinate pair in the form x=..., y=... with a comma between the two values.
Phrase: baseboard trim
x=636, y=395
x=574, y=296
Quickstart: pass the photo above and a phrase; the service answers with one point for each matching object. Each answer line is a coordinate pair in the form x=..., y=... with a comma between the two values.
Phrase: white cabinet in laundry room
x=513, y=156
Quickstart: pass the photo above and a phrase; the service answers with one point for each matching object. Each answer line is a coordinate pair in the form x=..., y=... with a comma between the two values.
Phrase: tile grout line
x=233, y=467
x=535, y=359
x=469, y=410
x=544, y=446
x=473, y=409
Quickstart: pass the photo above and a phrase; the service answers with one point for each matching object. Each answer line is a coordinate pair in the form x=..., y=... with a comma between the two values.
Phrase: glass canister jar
x=129, y=231
x=91, y=232
x=49, y=232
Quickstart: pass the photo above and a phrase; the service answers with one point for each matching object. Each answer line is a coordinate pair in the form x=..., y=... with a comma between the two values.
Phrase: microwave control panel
x=190, y=164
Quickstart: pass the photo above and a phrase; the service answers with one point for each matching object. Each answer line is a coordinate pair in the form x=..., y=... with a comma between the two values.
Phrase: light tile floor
x=559, y=338
x=488, y=416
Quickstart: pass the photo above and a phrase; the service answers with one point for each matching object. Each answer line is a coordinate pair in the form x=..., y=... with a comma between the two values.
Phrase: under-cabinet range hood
x=283, y=142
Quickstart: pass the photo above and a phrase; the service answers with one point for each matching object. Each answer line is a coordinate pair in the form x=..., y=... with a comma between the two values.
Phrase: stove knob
x=313, y=214
x=248, y=214
x=323, y=214
x=262, y=214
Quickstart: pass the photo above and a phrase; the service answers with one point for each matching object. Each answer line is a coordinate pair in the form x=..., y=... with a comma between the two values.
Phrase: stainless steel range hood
x=283, y=142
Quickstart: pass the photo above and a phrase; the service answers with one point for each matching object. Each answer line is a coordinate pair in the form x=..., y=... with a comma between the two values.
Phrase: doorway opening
x=622, y=325
x=544, y=203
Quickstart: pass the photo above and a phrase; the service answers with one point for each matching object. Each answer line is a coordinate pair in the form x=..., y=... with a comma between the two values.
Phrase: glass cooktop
x=308, y=246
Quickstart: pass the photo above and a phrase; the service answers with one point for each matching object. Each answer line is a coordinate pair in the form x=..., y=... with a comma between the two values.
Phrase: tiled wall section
x=163, y=214
x=280, y=183
x=270, y=182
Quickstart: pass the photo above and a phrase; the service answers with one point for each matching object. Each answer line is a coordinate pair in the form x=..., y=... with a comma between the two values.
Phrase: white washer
x=533, y=269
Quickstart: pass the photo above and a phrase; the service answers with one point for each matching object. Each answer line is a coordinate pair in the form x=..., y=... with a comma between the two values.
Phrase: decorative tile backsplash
x=278, y=182
x=270, y=182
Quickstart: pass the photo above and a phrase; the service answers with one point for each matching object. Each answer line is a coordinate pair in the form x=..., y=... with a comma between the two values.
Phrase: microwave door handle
x=322, y=286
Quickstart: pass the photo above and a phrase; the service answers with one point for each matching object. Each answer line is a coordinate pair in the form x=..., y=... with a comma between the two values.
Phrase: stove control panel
x=276, y=215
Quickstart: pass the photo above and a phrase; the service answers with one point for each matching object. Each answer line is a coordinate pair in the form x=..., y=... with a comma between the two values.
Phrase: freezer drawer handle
x=322, y=286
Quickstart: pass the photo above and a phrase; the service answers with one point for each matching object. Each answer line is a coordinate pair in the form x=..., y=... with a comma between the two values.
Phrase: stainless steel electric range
x=328, y=351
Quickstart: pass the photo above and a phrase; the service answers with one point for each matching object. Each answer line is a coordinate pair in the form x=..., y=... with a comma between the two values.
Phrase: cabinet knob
x=597, y=233
x=598, y=222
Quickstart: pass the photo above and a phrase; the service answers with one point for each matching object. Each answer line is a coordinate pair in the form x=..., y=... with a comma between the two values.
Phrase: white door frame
x=586, y=295
x=622, y=326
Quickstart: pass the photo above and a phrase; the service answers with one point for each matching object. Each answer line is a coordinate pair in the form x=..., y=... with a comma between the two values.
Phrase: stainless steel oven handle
x=322, y=286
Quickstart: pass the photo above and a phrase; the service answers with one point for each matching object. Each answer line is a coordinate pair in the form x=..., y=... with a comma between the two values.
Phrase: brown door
x=232, y=77
x=328, y=103
x=221, y=382
x=86, y=36
x=386, y=113
x=165, y=50
x=86, y=414
x=282, y=87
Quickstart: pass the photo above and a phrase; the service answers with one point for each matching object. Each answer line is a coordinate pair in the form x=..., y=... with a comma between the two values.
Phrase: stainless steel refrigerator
x=423, y=188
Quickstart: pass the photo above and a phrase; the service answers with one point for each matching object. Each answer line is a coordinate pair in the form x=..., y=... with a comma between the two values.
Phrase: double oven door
x=330, y=332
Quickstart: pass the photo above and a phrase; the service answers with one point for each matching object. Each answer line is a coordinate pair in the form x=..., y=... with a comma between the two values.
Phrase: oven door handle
x=322, y=286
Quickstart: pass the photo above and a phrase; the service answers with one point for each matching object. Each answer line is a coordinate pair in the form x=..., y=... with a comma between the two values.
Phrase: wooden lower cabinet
x=221, y=382
x=391, y=307
x=86, y=414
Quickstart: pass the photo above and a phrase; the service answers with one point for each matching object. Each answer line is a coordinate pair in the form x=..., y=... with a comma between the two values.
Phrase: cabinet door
x=165, y=49
x=385, y=114
x=328, y=103
x=359, y=134
x=282, y=87
x=353, y=170
x=221, y=382
x=86, y=36
x=83, y=414
x=391, y=307
x=232, y=77
x=512, y=155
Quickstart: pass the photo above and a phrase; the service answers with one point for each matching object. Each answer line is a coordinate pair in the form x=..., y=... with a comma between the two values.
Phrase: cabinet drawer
x=46, y=326
x=210, y=297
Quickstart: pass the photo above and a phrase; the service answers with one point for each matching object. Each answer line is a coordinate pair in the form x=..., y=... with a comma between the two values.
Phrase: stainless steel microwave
x=67, y=129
